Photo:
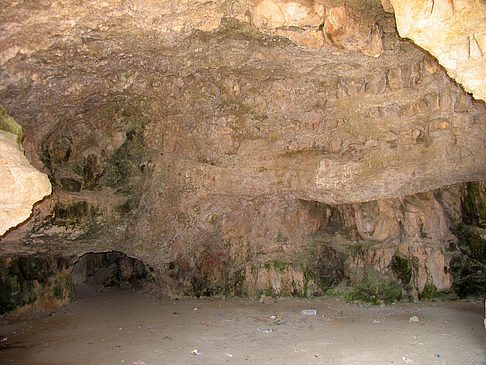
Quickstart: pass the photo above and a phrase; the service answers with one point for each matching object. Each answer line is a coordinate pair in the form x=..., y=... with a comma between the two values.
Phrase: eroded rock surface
x=31, y=283
x=243, y=147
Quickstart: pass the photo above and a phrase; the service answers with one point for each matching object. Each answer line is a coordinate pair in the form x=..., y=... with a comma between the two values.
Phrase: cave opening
x=264, y=157
x=100, y=270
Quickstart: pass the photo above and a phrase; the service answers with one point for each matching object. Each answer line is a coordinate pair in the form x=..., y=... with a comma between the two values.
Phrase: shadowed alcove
x=110, y=269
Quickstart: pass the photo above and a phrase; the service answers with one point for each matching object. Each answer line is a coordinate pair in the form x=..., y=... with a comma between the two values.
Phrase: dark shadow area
x=110, y=269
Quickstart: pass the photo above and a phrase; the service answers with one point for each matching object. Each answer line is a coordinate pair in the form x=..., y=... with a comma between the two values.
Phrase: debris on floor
x=195, y=352
x=406, y=360
x=308, y=312
x=414, y=319
x=229, y=355
x=264, y=331
x=276, y=320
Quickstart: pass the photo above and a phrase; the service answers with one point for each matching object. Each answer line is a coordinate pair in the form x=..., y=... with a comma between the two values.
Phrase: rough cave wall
x=242, y=150
x=34, y=283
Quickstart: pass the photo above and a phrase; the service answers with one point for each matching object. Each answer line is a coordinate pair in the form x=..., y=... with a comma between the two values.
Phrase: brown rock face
x=349, y=31
x=242, y=147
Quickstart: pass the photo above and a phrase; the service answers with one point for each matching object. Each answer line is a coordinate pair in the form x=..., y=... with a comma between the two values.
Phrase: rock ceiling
x=192, y=103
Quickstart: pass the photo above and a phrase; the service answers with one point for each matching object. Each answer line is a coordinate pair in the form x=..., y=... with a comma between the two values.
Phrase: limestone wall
x=21, y=184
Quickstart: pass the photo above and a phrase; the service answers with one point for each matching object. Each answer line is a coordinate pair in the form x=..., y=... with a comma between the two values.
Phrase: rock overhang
x=177, y=132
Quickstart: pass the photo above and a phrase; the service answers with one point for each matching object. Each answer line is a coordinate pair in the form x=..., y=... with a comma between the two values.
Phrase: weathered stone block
x=407, y=110
x=462, y=102
x=376, y=83
x=416, y=74
x=376, y=221
x=350, y=31
x=390, y=111
x=433, y=102
x=424, y=217
x=394, y=76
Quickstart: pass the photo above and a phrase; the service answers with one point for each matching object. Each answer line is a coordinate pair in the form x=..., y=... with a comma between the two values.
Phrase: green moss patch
x=474, y=204
x=402, y=268
x=74, y=213
x=38, y=282
x=431, y=292
x=471, y=243
x=386, y=292
x=330, y=268
x=469, y=276
x=8, y=124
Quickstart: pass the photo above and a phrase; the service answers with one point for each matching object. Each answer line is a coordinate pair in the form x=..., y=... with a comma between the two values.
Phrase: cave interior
x=257, y=149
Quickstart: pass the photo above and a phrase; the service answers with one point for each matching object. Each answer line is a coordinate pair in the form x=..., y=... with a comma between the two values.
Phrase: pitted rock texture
x=345, y=30
x=225, y=100
x=454, y=31
x=238, y=149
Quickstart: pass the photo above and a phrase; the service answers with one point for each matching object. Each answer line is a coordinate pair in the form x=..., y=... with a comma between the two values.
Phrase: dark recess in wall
x=109, y=269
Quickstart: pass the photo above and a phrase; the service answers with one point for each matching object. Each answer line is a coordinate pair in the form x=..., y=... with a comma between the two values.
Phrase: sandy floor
x=126, y=327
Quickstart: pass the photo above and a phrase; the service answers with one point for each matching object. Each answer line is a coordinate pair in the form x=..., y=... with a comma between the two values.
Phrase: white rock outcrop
x=21, y=185
x=454, y=31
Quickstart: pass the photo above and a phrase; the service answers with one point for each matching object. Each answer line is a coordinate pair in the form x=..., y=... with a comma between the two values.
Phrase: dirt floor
x=126, y=327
